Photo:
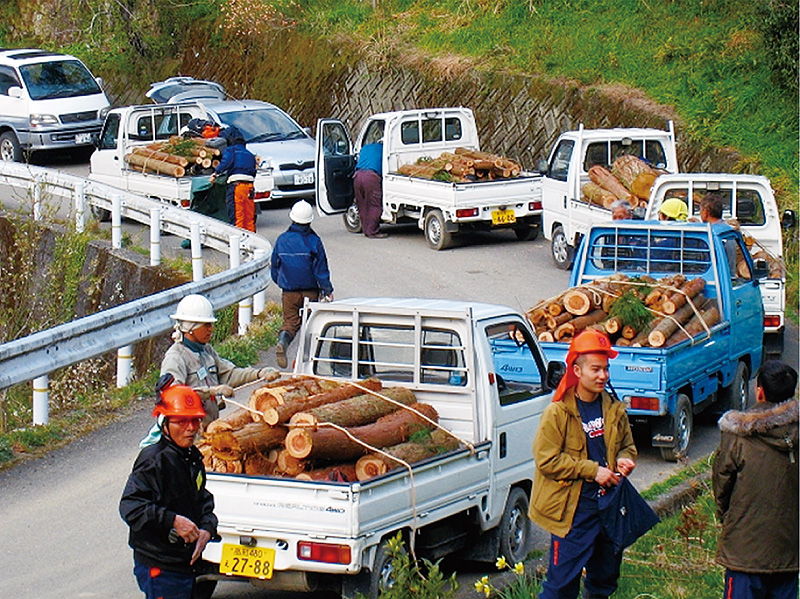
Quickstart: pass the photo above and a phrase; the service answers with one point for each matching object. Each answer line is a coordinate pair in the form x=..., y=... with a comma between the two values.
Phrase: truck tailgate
x=480, y=193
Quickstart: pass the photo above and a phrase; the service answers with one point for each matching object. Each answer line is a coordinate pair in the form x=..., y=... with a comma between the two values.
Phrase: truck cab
x=566, y=215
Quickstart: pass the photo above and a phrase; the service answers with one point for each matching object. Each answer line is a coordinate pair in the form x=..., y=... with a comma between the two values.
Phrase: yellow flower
x=501, y=563
x=479, y=586
x=519, y=569
x=487, y=591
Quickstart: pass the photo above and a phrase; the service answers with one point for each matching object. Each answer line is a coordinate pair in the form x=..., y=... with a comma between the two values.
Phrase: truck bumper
x=61, y=138
x=773, y=343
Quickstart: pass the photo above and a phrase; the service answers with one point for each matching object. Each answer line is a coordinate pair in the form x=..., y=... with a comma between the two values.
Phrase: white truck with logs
x=750, y=201
x=440, y=208
x=576, y=156
x=132, y=127
x=472, y=501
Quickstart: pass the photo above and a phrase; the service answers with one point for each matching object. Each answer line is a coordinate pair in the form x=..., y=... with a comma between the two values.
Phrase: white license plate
x=304, y=178
x=83, y=138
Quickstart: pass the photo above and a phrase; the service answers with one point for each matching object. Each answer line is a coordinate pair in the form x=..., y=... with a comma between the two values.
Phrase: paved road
x=61, y=534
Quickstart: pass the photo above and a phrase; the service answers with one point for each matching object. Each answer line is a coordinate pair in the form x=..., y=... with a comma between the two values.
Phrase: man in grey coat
x=755, y=479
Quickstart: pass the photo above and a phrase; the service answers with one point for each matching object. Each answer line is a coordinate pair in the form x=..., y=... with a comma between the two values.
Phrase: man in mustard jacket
x=583, y=445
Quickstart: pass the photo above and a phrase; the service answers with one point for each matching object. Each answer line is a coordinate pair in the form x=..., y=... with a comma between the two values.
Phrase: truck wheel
x=562, y=251
x=352, y=220
x=515, y=528
x=203, y=589
x=527, y=233
x=382, y=576
x=436, y=235
x=682, y=424
x=736, y=396
x=100, y=214
x=10, y=150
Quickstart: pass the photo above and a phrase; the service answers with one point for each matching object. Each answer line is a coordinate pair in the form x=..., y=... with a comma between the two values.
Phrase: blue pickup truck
x=665, y=387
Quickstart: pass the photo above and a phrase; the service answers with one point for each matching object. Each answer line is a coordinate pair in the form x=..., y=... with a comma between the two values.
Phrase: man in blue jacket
x=300, y=269
x=239, y=164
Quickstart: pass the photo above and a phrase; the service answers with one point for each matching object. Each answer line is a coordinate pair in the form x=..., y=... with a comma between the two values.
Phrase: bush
x=778, y=22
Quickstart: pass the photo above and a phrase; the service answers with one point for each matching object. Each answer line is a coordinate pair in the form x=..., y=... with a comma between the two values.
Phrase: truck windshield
x=58, y=79
x=262, y=125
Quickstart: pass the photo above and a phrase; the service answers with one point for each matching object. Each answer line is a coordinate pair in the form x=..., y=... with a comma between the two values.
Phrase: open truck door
x=335, y=165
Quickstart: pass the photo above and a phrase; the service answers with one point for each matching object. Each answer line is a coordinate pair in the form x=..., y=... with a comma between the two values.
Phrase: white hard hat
x=302, y=213
x=194, y=308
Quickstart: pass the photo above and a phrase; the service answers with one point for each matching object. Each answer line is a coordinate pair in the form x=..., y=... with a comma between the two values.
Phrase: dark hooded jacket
x=755, y=480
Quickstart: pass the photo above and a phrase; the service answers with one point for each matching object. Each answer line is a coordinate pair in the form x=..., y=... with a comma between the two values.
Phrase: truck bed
x=412, y=190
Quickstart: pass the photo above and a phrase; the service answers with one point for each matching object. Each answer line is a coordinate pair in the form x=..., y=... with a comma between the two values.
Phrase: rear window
x=604, y=153
x=431, y=130
x=661, y=252
x=745, y=205
x=389, y=353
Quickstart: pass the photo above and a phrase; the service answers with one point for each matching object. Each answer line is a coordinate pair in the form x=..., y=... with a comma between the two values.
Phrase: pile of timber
x=630, y=178
x=177, y=157
x=287, y=431
x=650, y=312
x=776, y=265
x=462, y=166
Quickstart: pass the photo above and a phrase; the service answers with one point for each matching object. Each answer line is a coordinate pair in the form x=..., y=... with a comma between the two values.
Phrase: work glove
x=206, y=392
x=270, y=374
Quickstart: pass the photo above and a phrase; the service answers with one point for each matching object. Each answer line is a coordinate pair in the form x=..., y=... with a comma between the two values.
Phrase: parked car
x=270, y=133
x=47, y=101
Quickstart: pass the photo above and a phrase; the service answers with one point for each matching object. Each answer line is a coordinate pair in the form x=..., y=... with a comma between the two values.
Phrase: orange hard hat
x=588, y=341
x=179, y=400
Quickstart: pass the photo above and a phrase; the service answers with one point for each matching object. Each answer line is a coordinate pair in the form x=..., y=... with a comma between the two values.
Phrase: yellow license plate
x=503, y=217
x=253, y=562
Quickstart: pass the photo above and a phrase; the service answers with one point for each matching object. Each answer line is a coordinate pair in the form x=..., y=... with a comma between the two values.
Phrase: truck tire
x=10, y=150
x=527, y=233
x=352, y=220
x=683, y=424
x=203, y=589
x=382, y=575
x=515, y=528
x=100, y=214
x=435, y=233
x=563, y=253
x=736, y=396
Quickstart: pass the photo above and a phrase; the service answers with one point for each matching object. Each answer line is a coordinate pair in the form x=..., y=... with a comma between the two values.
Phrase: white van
x=47, y=101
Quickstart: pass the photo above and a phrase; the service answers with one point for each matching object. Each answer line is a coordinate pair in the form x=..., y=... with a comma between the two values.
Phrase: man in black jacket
x=165, y=502
x=756, y=490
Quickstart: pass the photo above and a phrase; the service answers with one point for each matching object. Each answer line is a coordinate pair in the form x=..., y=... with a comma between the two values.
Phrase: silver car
x=280, y=143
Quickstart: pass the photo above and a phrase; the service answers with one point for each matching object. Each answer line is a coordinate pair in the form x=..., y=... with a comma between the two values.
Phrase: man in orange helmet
x=165, y=502
x=583, y=445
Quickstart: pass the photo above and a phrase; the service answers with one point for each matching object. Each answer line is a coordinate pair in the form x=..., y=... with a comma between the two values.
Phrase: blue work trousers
x=586, y=546
x=743, y=585
x=156, y=583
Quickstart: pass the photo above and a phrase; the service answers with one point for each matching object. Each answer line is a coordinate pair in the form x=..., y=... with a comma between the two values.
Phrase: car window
x=374, y=132
x=58, y=79
x=452, y=129
x=431, y=130
x=559, y=165
x=7, y=79
x=262, y=125
x=519, y=374
x=108, y=138
x=409, y=132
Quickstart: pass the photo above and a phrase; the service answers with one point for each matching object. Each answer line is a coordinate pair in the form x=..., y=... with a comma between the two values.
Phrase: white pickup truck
x=131, y=126
x=441, y=209
x=473, y=501
x=566, y=216
x=751, y=201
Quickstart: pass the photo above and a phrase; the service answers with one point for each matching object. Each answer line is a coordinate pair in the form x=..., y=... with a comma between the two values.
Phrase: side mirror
x=639, y=212
x=99, y=81
x=555, y=372
x=542, y=167
x=788, y=219
x=15, y=91
x=307, y=131
x=341, y=147
x=760, y=268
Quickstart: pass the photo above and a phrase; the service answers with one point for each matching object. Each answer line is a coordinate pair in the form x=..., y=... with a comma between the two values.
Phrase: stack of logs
x=630, y=178
x=679, y=311
x=463, y=166
x=177, y=157
x=287, y=431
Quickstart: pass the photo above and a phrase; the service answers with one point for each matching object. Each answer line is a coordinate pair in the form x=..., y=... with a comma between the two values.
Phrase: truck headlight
x=40, y=120
x=103, y=113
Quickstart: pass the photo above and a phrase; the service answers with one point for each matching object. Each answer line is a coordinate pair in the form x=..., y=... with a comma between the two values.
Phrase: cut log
x=628, y=332
x=156, y=166
x=564, y=333
x=340, y=473
x=331, y=443
x=581, y=322
x=603, y=177
x=695, y=327
x=688, y=290
x=254, y=437
x=546, y=336
x=288, y=464
x=659, y=334
x=257, y=464
x=410, y=452
x=595, y=194
x=282, y=413
x=553, y=322
x=235, y=420
x=358, y=410
x=641, y=339
x=577, y=301
x=159, y=155
x=636, y=175
x=536, y=315
x=612, y=325
x=370, y=466
x=555, y=308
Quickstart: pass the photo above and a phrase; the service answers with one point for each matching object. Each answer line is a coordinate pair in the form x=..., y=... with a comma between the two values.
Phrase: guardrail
x=35, y=356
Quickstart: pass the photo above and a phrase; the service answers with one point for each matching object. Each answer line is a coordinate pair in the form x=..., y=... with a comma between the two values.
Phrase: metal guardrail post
x=155, y=236
x=41, y=400
x=246, y=305
x=124, y=366
x=116, y=221
x=197, y=252
x=37, y=198
x=260, y=298
x=80, y=206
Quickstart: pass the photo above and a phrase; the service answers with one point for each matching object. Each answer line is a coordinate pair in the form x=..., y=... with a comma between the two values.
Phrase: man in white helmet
x=300, y=269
